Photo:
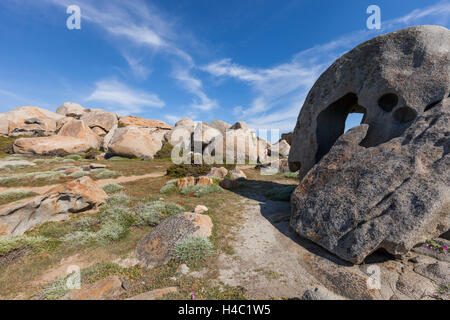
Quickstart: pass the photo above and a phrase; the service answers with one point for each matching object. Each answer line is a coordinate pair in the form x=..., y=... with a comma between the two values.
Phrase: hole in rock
x=388, y=102
x=445, y=235
x=405, y=114
x=332, y=122
x=378, y=256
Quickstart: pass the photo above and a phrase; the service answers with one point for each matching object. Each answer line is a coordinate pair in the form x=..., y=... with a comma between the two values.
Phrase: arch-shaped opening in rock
x=331, y=122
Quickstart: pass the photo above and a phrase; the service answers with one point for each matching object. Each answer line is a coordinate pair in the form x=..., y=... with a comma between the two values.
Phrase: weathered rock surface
x=239, y=145
x=57, y=204
x=281, y=149
x=287, y=137
x=220, y=125
x=391, y=79
x=29, y=121
x=193, y=181
x=143, y=123
x=203, y=135
x=218, y=172
x=386, y=183
x=393, y=196
x=237, y=174
x=181, y=132
x=100, y=118
x=156, y=247
x=438, y=271
x=100, y=290
x=75, y=136
x=71, y=109
x=134, y=142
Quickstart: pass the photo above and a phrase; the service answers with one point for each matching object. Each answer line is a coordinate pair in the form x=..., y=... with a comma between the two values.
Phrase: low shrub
x=14, y=195
x=199, y=191
x=117, y=158
x=165, y=152
x=111, y=188
x=75, y=157
x=169, y=187
x=154, y=212
x=193, y=249
x=280, y=194
x=12, y=243
x=79, y=174
x=107, y=174
x=291, y=175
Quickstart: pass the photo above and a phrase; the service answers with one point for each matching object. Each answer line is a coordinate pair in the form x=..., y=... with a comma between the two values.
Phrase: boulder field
x=73, y=129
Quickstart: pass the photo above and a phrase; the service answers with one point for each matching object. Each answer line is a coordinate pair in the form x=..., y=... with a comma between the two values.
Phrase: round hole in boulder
x=388, y=102
x=405, y=114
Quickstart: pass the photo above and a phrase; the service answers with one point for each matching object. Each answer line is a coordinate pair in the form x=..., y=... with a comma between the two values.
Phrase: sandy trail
x=122, y=179
x=271, y=262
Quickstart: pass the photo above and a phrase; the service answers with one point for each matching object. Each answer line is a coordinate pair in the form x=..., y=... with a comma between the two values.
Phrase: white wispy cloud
x=144, y=25
x=124, y=100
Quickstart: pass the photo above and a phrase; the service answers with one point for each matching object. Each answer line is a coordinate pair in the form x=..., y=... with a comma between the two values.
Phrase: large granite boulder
x=238, y=145
x=386, y=183
x=29, y=121
x=391, y=79
x=220, y=125
x=202, y=136
x=134, y=142
x=75, y=136
x=100, y=118
x=281, y=149
x=181, y=133
x=132, y=121
x=71, y=109
x=57, y=204
x=392, y=196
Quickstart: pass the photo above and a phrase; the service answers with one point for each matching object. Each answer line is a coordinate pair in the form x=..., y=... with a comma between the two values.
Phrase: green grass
x=12, y=243
x=17, y=179
x=14, y=195
x=75, y=157
x=169, y=187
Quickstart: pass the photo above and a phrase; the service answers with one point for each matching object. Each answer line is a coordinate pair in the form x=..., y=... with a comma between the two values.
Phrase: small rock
x=218, y=172
x=237, y=174
x=126, y=285
x=229, y=184
x=97, y=166
x=182, y=270
x=200, y=209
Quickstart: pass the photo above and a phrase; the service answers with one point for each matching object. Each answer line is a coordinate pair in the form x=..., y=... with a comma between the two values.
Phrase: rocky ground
x=255, y=254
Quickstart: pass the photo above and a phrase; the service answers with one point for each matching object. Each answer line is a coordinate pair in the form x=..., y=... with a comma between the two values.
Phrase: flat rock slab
x=100, y=290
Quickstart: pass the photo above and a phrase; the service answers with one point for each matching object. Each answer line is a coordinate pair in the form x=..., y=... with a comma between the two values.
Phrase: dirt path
x=271, y=262
x=122, y=179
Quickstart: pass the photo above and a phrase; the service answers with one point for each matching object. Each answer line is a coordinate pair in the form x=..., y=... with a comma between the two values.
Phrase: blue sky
x=231, y=60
